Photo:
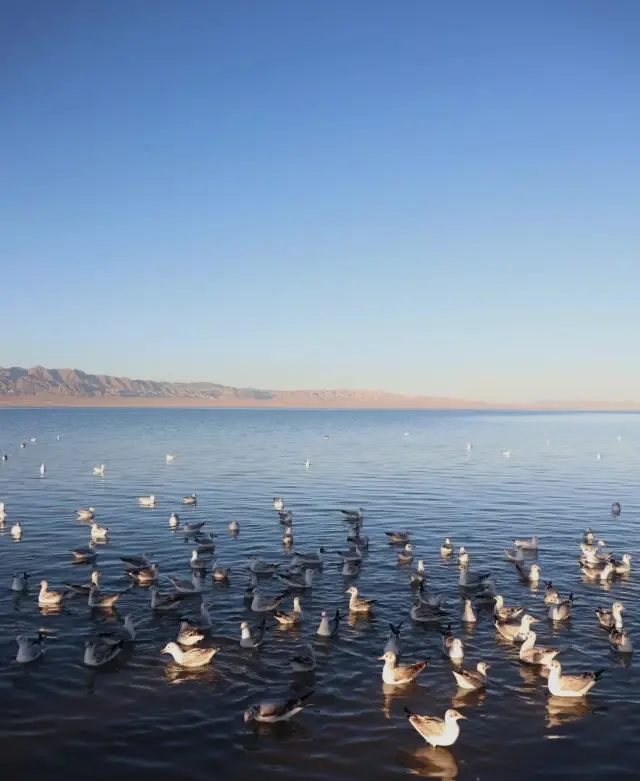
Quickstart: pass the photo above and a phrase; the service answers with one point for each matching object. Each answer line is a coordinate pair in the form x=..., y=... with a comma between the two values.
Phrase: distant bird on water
x=43, y=469
x=99, y=470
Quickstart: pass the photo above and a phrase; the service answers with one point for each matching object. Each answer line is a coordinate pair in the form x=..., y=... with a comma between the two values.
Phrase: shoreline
x=426, y=404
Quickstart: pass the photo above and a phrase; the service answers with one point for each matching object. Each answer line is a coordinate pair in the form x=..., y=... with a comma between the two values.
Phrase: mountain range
x=73, y=387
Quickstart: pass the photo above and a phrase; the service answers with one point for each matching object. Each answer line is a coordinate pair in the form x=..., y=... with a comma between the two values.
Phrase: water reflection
x=434, y=763
x=174, y=673
x=563, y=710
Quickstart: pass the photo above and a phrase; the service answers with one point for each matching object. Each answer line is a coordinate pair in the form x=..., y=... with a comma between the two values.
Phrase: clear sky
x=438, y=198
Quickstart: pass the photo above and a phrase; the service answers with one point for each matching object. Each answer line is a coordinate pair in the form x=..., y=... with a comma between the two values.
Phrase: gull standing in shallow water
x=570, y=685
x=276, y=711
x=437, y=732
x=397, y=675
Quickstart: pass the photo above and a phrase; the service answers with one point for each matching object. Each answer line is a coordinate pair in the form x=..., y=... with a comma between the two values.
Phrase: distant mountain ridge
x=71, y=387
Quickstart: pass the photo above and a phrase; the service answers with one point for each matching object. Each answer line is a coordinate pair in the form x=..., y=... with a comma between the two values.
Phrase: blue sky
x=433, y=198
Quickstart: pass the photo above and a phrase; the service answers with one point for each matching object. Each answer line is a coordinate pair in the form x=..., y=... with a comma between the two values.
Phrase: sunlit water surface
x=146, y=719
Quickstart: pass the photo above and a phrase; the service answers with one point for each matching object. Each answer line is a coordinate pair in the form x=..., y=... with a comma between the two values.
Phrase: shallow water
x=409, y=470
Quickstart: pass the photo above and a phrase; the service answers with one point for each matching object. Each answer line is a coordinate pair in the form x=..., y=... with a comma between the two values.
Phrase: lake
x=145, y=718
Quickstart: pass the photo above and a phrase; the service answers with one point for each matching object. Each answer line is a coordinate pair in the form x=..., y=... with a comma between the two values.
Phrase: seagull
x=48, y=598
x=276, y=711
x=531, y=575
x=196, y=563
x=515, y=632
x=164, y=603
x=189, y=635
x=20, y=581
x=174, y=520
x=286, y=516
x=399, y=537
x=357, y=605
x=85, y=589
x=144, y=575
x=98, y=654
x=43, y=469
x=329, y=627
x=170, y=457
x=397, y=675
x=290, y=619
x=530, y=653
x=234, y=526
x=506, y=613
x=304, y=661
x=354, y=515
x=406, y=556
x=619, y=641
x=287, y=538
x=278, y=504
x=194, y=657
x=220, y=573
x=561, y=611
x=99, y=470
x=446, y=549
x=570, y=685
x=531, y=544
x=249, y=639
x=189, y=499
x=610, y=618
x=147, y=501
x=136, y=561
x=260, y=567
x=99, y=532
x=615, y=508
x=86, y=515
x=394, y=643
x=472, y=680
x=125, y=633
x=206, y=544
x=596, y=574
x=514, y=554
x=29, y=649
x=624, y=567
x=505, y=452
x=297, y=583
x=463, y=557
x=105, y=601
x=266, y=606
x=193, y=586
x=308, y=559
x=434, y=601
x=192, y=528
x=16, y=531
x=453, y=647
x=472, y=581
x=436, y=732
x=307, y=464
x=551, y=595
x=588, y=537
x=418, y=576
x=468, y=615
x=83, y=555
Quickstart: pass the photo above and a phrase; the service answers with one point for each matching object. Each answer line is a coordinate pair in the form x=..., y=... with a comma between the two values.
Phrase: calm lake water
x=146, y=719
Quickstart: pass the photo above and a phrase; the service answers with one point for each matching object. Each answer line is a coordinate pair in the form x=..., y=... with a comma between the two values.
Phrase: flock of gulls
x=192, y=648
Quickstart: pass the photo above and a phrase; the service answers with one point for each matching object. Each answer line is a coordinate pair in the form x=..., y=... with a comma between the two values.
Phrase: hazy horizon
x=432, y=200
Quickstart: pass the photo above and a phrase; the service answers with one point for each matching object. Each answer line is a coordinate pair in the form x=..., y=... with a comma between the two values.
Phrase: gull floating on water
x=136, y=561
x=506, y=613
x=406, y=555
x=85, y=589
x=418, y=576
x=162, y=602
x=452, y=646
x=297, y=583
x=48, y=598
x=619, y=641
x=189, y=499
x=234, y=526
x=329, y=627
x=174, y=520
x=398, y=674
x=570, y=685
x=354, y=515
x=514, y=554
x=220, y=573
x=278, y=504
x=192, y=528
x=515, y=632
x=105, y=601
x=260, y=567
x=304, y=661
x=530, y=653
x=610, y=618
x=357, y=605
x=308, y=559
x=531, y=575
x=29, y=649
x=307, y=464
x=623, y=567
x=285, y=516
x=196, y=563
x=147, y=501
x=551, y=595
x=170, y=457
x=206, y=544
x=472, y=680
x=437, y=732
x=193, y=586
x=99, y=470
x=471, y=582
x=287, y=537
x=290, y=619
x=258, y=605
x=189, y=635
x=615, y=508
x=597, y=574
x=562, y=610
x=16, y=531
x=394, y=642
x=99, y=532
x=463, y=557
x=531, y=544
x=144, y=575
x=86, y=515
x=587, y=537
x=98, y=654
x=43, y=469
x=468, y=615
x=446, y=549
x=252, y=639
x=272, y=712
x=353, y=557
x=399, y=537
x=124, y=633
x=20, y=581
